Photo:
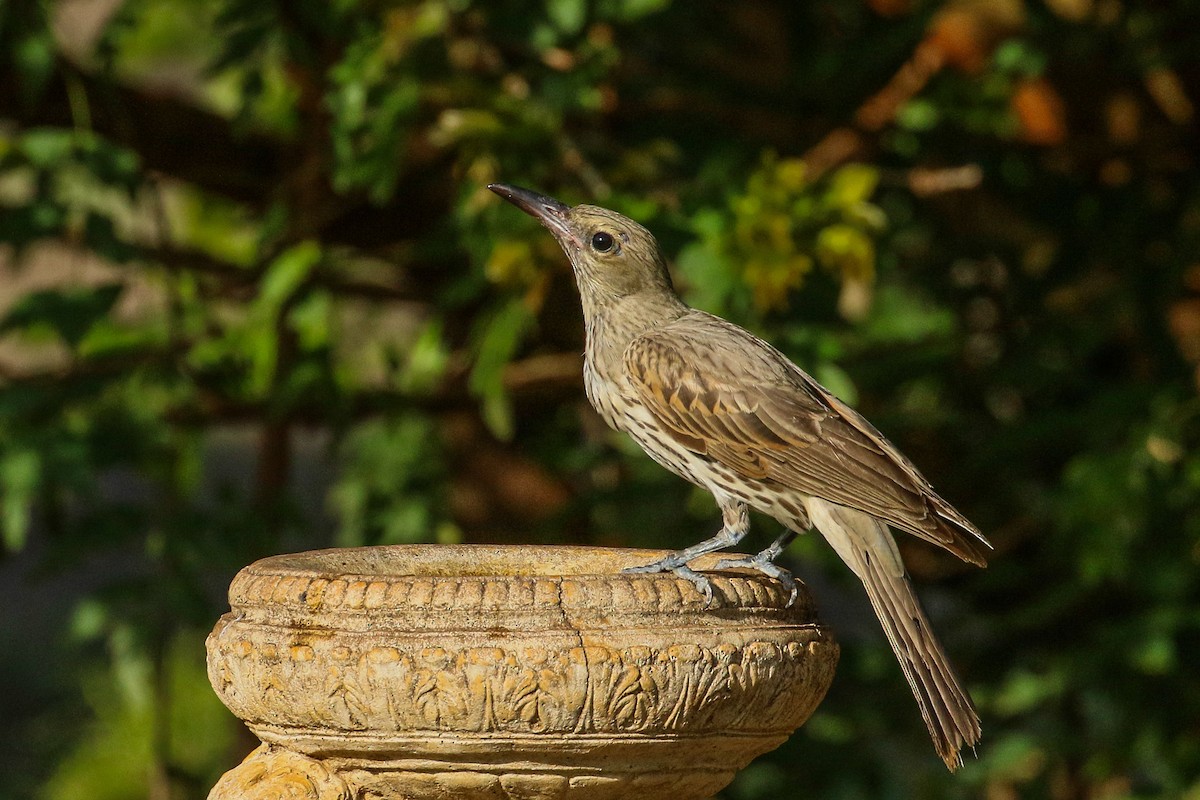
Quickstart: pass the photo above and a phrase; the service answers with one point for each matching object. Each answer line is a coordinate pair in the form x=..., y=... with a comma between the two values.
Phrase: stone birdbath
x=474, y=672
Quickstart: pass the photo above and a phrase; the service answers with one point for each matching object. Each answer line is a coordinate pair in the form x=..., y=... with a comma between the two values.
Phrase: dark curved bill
x=546, y=210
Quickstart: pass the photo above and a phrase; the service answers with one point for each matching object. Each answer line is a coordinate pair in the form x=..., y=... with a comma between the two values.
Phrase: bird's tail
x=867, y=547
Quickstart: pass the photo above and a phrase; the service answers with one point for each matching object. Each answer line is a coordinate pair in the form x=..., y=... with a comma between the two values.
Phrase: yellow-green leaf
x=852, y=184
x=847, y=251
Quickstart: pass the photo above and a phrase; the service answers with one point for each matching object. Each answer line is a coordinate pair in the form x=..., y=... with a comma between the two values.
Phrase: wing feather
x=724, y=393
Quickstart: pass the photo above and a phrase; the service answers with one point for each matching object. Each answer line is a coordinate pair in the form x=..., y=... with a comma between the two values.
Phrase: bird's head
x=612, y=256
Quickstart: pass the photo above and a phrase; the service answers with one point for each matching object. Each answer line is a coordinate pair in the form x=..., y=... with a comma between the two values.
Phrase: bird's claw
x=764, y=565
x=673, y=564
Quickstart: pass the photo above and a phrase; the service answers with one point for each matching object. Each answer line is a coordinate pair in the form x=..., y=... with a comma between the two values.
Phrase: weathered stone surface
x=435, y=672
x=271, y=773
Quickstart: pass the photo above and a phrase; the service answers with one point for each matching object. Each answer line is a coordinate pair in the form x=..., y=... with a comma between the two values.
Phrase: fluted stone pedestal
x=480, y=672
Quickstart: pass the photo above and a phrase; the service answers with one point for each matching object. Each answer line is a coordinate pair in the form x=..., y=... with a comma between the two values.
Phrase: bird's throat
x=611, y=324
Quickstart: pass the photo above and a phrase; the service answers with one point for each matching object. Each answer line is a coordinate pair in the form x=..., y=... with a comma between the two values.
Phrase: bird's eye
x=602, y=242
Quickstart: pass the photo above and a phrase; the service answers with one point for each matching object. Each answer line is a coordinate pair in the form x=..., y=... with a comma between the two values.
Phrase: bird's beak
x=546, y=210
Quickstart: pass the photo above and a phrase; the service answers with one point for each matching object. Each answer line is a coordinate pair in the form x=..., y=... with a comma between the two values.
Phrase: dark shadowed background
x=254, y=297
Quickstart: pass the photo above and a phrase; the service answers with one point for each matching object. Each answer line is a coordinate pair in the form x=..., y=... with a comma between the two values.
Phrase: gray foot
x=762, y=563
x=673, y=563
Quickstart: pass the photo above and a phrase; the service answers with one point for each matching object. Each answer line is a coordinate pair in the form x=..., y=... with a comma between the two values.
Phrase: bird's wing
x=724, y=393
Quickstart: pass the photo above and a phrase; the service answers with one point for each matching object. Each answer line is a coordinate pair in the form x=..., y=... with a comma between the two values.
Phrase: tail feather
x=866, y=545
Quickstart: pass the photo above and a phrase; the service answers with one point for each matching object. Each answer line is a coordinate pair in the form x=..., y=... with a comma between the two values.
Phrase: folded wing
x=726, y=394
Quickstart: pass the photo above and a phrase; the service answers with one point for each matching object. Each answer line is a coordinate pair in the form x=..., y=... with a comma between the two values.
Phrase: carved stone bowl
x=489, y=672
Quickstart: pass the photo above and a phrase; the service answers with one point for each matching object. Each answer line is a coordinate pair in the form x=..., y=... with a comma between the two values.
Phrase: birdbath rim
x=472, y=560
x=578, y=575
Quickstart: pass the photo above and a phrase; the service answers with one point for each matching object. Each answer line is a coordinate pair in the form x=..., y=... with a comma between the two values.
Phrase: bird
x=724, y=409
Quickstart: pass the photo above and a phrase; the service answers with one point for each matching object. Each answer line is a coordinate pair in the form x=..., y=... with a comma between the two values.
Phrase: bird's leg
x=735, y=517
x=764, y=562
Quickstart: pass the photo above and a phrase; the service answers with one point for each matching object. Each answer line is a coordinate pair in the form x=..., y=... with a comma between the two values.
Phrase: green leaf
x=111, y=165
x=497, y=411
x=108, y=337
x=1025, y=690
x=310, y=319
x=48, y=148
x=89, y=620
x=497, y=343
x=836, y=380
x=1157, y=655
x=101, y=236
x=427, y=360
x=1019, y=57
x=34, y=56
x=852, y=184
x=847, y=251
x=629, y=10
x=40, y=219
x=902, y=315
x=710, y=281
x=287, y=272
x=20, y=472
x=390, y=482
x=70, y=313
x=256, y=339
x=567, y=15
x=918, y=115
x=406, y=522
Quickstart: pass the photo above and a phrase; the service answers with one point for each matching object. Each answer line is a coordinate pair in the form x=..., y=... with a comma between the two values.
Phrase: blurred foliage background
x=254, y=297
